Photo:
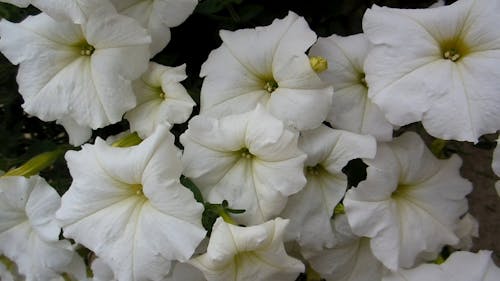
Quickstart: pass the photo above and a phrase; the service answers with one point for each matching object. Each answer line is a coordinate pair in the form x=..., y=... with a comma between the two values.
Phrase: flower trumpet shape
x=128, y=206
x=79, y=74
x=410, y=202
x=29, y=232
x=266, y=65
x=251, y=160
x=438, y=66
x=248, y=253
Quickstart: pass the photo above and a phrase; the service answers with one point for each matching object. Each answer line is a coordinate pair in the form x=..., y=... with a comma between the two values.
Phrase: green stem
x=128, y=140
x=36, y=164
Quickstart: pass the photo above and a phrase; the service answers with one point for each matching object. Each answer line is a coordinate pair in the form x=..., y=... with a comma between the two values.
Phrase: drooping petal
x=77, y=134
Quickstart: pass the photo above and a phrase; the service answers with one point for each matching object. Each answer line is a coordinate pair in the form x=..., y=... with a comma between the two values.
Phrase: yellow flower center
x=244, y=153
x=270, y=85
x=137, y=189
x=362, y=80
x=315, y=171
x=452, y=55
x=86, y=49
x=453, y=49
x=401, y=191
x=318, y=64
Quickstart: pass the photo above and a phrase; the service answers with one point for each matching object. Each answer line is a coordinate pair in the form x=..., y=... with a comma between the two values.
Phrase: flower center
x=401, y=191
x=318, y=64
x=314, y=171
x=137, y=188
x=86, y=49
x=362, y=80
x=244, y=153
x=270, y=85
x=454, y=49
x=452, y=55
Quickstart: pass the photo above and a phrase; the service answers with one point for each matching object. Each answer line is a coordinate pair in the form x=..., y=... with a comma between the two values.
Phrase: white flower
x=467, y=266
x=76, y=11
x=101, y=271
x=250, y=159
x=460, y=266
x=29, y=233
x=179, y=272
x=410, y=202
x=310, y=210
x=350, y=259
x=427, y=272
x=266, y=65
x=438, y=3
x=128, y=206
x=495, y=165
x=438, y=66
x=351, y=110
x=248, y=253
x=80, y=74
x=467, y=228
x=158, y=16
x=160, y=98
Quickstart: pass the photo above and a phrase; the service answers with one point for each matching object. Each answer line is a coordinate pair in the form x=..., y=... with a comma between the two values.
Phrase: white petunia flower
x=495, y=165
x=160, y=98
x=78, y=74
x=460, y=266
x=310, y=210
x=351, y=110
x=427, y=272
x=248, y=253
x=128, y=206
x=158, y=16
x=350, y=259
x=438, y=66
x=29, y=233
x=250, y=159
x=410, y=202
x=266, y=65
x=467, y=229
x=179, y=272
x=467, y=266
x=77, y=11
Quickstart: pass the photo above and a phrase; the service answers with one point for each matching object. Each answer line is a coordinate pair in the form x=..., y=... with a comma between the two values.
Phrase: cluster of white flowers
x=282, y=112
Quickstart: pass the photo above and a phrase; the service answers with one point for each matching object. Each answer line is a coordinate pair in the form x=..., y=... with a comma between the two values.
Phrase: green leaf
x=189, y=184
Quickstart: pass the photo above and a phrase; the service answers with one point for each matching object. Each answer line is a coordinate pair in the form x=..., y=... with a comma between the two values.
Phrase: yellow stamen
x=318, y=64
